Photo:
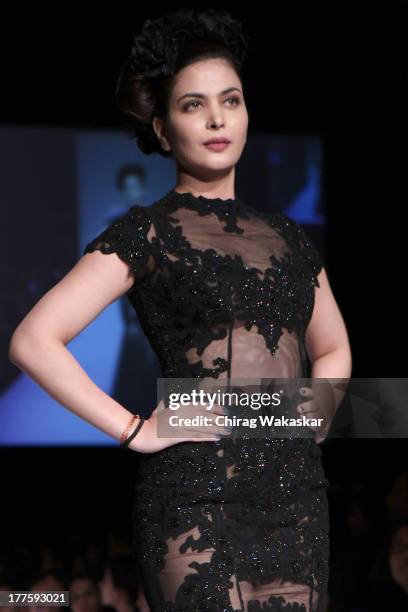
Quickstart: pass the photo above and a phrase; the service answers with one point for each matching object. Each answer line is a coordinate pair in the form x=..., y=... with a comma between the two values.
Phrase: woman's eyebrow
x=200, y=95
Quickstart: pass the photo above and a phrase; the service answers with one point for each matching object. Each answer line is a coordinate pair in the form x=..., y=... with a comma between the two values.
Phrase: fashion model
x=222, y=291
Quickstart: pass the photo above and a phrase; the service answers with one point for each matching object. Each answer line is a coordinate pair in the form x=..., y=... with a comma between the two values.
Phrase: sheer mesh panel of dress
x=223, y=291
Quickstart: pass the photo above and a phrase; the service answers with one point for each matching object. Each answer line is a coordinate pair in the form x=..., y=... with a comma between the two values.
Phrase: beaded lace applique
x=222, y=290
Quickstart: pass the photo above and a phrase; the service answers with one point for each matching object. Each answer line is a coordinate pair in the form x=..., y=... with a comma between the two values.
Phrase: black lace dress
x=223, y=290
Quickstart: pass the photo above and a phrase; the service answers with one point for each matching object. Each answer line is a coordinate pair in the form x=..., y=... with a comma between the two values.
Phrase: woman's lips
x=217, y=146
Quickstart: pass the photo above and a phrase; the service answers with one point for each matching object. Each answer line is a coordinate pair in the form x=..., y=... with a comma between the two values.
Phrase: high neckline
x=227, y=210
x=187, y=195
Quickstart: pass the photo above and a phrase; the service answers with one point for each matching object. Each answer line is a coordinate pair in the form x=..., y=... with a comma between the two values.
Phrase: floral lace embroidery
x=223, y=290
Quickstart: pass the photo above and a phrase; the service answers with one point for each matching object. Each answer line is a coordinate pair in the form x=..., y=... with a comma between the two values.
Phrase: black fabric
x=222, y=290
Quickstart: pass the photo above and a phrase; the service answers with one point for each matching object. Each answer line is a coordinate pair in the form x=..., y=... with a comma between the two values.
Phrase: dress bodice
x=220, y=288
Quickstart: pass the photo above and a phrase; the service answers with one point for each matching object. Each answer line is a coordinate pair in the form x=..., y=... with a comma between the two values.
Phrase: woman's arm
x=328, y=347
x=38, y=345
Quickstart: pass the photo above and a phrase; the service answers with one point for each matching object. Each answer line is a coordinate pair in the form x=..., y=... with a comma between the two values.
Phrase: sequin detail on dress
x=223, y=290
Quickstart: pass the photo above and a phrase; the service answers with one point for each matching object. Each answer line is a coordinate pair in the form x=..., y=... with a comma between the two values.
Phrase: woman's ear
x=159, y=129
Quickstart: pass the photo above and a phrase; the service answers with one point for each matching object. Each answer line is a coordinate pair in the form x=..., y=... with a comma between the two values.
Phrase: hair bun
x=156, y=48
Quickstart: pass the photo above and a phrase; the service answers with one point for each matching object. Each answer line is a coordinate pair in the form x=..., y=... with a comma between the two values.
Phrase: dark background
x=335, y=72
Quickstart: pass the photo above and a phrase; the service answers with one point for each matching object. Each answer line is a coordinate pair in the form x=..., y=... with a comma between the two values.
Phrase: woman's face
x=193, y=119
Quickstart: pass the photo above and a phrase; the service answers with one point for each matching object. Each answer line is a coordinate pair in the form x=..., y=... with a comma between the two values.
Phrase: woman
x=222, y=291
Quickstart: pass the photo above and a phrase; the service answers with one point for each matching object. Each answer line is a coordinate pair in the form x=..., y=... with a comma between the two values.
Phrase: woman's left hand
x=318, y=403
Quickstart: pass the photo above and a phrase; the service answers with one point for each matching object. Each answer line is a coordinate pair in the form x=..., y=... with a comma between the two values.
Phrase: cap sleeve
x=301, y=240
x=127, y=236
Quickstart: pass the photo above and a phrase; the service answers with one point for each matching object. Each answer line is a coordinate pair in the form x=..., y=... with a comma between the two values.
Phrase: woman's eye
x=190, y=103
x=234, y=98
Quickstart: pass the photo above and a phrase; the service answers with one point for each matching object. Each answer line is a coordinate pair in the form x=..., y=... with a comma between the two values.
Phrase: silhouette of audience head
x=397, y=499
x=85, y=595
x=389, y=575
x=398, y=556
x=120, y=582
x=46, y=581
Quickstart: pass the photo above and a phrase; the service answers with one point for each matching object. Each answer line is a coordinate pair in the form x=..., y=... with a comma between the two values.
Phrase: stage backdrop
x=60, y=188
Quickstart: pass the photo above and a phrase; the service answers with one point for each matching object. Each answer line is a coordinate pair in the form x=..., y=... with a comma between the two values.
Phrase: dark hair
x=140, y=98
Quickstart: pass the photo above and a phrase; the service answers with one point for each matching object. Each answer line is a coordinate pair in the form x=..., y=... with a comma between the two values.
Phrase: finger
x=314, y=415
x=206, y=429
x=306, y=407
x=221, y=430
x=317, y=416
x=205, y=436
x=202, y=409
x=187, y=438
x=306, y=392
x=219, y=409
x=214, y=409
